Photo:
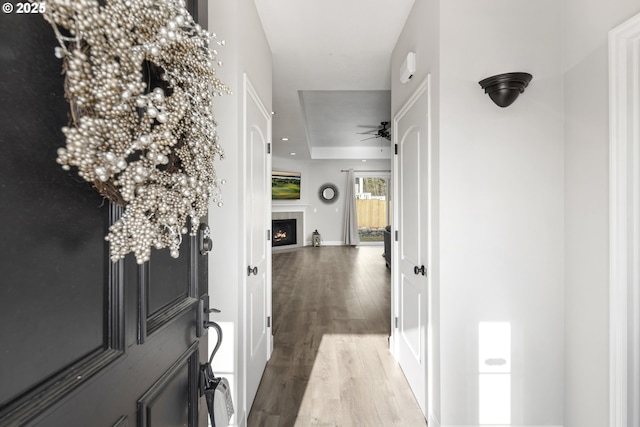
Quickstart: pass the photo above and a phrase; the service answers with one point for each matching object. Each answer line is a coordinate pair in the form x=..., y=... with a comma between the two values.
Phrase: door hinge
x=396, y=235
x=268, y=321
x=269, y=148
x=396, y=323
x=396, y=148
x=268, y=235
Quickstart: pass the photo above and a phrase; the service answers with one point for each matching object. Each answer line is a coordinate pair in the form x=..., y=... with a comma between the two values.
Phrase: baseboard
x=333, y=243
x=379, y=244
x=478, y=425
x=327, y=243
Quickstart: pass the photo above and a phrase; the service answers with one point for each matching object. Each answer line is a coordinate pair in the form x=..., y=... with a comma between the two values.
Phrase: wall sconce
x=503, y=89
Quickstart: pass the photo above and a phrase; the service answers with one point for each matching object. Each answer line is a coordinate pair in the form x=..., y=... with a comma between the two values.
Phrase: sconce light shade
x=503, y=89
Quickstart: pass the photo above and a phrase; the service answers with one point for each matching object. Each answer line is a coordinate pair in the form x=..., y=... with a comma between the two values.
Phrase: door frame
x=624, y=223
x=425, y=86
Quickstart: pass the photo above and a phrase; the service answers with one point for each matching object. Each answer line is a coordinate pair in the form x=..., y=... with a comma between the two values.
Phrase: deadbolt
x=204, y=233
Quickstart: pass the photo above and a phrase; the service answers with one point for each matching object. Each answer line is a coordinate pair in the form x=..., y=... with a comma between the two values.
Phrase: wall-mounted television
x=285, y=185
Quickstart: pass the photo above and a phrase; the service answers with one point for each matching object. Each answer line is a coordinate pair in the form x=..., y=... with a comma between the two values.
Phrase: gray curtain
x=351, y=236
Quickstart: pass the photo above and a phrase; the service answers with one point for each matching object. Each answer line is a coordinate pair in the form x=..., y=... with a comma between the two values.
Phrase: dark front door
x=83, y=341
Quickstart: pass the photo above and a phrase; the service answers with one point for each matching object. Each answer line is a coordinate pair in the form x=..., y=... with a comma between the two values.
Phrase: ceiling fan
x=383, y=131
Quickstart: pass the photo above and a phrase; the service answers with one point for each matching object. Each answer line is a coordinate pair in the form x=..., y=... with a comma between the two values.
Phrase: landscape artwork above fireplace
x=284, y=232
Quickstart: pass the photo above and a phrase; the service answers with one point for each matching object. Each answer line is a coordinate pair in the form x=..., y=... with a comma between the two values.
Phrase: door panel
x=70, y=319
x=258, y=316
x=170, y=401
x=256, y=285
x=178, y=293
x=174, y=271
x=409, y=199
x=60, y=254
x=411, y=129
x=411, y=302
x=258, y=214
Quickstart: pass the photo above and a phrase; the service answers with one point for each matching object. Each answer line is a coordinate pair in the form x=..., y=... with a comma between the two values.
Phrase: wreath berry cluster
x=140, y=80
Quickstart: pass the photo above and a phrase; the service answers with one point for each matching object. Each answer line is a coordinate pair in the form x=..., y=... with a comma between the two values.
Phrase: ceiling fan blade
x=381, y=131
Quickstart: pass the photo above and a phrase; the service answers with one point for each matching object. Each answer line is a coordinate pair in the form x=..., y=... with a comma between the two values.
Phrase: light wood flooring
x=331, y=364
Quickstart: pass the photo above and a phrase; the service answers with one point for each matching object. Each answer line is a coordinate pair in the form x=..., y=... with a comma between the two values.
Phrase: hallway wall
x=502, y=207
x=499, y=201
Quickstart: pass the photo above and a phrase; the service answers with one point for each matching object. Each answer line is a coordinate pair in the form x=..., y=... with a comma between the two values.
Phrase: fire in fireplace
x=284, y=232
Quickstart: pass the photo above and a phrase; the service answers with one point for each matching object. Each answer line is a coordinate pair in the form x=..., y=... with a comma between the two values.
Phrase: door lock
x=205, y=243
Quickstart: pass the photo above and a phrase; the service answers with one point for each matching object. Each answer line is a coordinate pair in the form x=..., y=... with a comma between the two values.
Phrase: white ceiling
x=331, y=74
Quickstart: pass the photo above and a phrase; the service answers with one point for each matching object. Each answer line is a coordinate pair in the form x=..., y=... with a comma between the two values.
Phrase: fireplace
x=284, y=232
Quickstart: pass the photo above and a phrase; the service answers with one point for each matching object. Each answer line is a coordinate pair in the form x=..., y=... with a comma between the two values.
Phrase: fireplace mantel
x=289, y=207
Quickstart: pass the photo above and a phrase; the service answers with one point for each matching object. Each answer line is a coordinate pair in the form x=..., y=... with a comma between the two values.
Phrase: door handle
x=253, y=270
x=202, y=317
x=419, y=270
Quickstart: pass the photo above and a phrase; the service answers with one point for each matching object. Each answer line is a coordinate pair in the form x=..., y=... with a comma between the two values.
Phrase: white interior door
x=411, y=133
x=257, y=137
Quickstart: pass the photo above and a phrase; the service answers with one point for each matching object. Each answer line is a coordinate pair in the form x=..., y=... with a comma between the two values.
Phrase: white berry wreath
x=140, y=79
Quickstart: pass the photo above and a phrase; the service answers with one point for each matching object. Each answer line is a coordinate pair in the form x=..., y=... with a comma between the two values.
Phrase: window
x=372, y=207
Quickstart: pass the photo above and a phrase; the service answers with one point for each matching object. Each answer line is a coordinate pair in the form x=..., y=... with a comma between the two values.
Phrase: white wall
x=586, y=24
x=328, y=219
x=502, y=204
x=246, y=51
x=500, y=198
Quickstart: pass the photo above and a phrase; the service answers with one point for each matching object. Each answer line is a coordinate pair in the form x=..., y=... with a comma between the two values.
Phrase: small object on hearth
x=316, y=239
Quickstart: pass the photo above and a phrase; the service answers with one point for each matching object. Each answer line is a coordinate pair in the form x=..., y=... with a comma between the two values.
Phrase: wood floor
x=331, y=364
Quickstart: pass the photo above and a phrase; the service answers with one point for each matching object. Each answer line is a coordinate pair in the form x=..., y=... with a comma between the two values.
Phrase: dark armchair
x=387, y=245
